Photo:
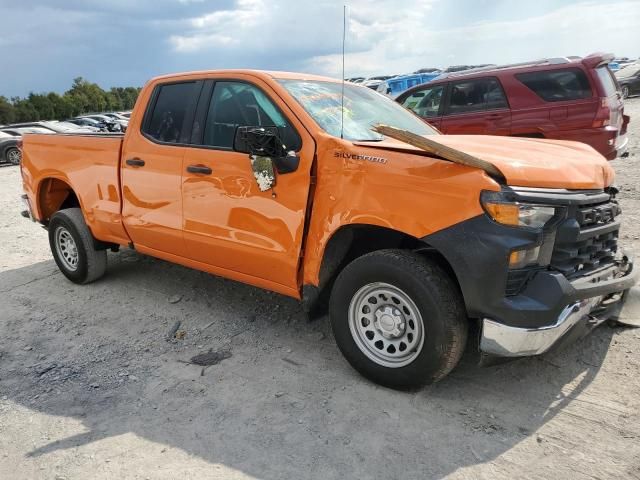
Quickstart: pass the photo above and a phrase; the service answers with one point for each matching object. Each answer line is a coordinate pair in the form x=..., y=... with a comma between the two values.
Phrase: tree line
x=82, y=97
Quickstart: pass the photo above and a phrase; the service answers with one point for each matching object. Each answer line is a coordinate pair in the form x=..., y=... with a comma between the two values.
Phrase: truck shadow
x=285, y=405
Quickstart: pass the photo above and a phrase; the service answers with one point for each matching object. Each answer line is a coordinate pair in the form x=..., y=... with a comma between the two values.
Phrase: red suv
x=561, y=98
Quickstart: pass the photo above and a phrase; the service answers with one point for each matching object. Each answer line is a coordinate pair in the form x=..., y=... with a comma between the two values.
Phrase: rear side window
x=476, y=95
x=238, y=104
x=173, y=104
x=557, y=85
x=606, y=80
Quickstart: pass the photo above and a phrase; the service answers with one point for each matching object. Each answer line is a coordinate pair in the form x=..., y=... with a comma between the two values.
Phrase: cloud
x=577, y=29
x=393, y=37
x=124, y=42
x=220, y=28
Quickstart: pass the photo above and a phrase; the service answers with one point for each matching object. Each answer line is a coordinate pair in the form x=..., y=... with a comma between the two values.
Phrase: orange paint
x=222, y=223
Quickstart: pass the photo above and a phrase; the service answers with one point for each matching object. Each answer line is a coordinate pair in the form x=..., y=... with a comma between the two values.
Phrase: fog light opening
x=523, y=258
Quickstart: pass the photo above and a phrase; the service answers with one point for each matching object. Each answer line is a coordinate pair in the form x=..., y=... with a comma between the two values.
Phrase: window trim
x=189, y=115
x=471, y=112
x=203, y=113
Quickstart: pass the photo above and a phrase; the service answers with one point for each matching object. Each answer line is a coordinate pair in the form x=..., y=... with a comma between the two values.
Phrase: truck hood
x=526, y=162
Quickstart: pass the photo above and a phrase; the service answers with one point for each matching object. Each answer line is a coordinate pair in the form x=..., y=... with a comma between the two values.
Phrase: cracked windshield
x=363, y=108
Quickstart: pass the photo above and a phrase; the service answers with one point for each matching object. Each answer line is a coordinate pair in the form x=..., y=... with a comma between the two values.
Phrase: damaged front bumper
x=589, y=302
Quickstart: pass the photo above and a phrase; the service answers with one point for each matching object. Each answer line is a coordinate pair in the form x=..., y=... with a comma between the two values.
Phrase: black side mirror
x=261, y=141
x=287, y=164
x=266, y=142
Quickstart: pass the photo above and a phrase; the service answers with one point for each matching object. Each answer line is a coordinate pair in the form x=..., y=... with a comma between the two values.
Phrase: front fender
x=407, y=193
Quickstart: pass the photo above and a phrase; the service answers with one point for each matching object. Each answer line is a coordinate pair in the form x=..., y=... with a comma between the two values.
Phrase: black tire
x=432, y=291
x=625, y=91
x=90, y=264
x=13, y=155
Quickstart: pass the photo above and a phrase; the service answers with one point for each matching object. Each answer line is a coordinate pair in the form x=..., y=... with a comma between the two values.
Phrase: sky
x=45, y=44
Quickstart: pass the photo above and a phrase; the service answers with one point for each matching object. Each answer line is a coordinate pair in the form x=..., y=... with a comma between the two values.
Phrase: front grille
x=597, y=214
x=587, y=240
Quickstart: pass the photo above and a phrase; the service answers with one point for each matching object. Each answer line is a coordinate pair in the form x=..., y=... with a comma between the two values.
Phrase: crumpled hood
x=528, y=162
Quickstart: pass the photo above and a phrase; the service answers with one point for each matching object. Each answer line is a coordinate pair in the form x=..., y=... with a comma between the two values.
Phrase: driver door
x=229, y=224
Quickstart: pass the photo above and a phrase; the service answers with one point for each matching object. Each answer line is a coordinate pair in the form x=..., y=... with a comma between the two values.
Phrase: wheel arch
x=351, y=241
x=54, y=194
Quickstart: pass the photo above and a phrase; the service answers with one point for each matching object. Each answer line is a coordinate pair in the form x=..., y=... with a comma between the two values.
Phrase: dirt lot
x=90, y=387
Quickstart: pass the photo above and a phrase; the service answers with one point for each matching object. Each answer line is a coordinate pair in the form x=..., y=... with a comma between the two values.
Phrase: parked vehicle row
x=106, y=122
x=562, y=99
x=10, y=148
x=629, y=80
x=394, y=85
x=11, y=135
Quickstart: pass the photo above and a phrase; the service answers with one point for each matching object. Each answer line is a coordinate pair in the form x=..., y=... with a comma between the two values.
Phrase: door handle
x=135, y=162
x=494, y=115
x=199, y=169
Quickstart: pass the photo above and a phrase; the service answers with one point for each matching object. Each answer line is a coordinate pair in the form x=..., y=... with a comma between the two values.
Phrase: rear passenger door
x=427, y=103
x=152, y=169
x=476, y=106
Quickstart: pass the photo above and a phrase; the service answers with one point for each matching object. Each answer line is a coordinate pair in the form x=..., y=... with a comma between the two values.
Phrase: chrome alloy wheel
x=14, y=156
x=66, y=248
x=386, y=325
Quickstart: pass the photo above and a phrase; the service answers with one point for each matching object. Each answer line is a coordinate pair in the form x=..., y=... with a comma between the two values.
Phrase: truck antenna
x=344, y=35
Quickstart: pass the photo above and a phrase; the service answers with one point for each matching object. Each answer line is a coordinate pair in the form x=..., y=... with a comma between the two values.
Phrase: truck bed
x=89, y=164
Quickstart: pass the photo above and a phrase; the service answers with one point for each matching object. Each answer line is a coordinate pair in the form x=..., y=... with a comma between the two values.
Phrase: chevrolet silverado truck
x=280, y=180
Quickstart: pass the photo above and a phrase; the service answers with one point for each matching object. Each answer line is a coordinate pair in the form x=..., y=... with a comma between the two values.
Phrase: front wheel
x=398, y=318
x=13, y=155
x=73, y=247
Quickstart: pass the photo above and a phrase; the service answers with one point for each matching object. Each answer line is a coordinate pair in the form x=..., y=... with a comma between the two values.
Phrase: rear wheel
x=398, y=318
x=625, y=91
x=73, y=247
x=13, y=155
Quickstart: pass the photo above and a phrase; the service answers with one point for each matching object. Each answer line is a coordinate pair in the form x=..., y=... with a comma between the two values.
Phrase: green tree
x=7, y=111
x=82, y=97
x=24, y=110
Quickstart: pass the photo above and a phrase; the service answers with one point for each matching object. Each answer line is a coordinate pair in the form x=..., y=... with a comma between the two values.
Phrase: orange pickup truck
x=279, y=180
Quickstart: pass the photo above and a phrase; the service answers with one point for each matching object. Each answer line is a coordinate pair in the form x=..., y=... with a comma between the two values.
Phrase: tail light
x=603, y=115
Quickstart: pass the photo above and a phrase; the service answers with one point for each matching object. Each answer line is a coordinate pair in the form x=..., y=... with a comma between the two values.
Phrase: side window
x=173, y=102
x=476, y=95
x=494, y=96
x=237, y=104
x=557, y=85
x=425, y=102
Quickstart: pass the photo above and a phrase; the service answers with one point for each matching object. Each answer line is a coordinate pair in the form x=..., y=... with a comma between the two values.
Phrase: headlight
x=516, y=214
x=504, y=208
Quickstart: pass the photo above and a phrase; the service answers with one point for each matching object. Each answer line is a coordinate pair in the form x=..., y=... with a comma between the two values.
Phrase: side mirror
x=266, y=142
x=263, y=141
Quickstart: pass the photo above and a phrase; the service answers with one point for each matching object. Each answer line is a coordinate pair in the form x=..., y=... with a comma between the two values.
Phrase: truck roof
x=265, y=74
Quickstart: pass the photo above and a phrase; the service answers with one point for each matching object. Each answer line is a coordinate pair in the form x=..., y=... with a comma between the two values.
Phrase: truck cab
x=280, y=180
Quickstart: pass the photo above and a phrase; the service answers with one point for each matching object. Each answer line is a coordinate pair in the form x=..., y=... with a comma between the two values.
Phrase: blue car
x=396, y=85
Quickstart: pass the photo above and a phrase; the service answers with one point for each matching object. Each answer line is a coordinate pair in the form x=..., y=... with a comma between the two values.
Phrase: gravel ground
x=90, y=386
